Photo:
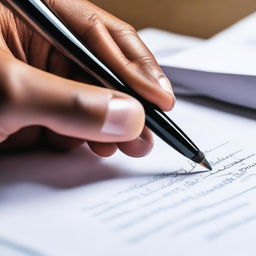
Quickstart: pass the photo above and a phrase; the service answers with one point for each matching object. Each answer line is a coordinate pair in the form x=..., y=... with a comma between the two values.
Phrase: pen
x=43, y=19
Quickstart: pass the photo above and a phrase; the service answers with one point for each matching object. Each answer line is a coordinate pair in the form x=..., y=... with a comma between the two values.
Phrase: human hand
x=46, y=97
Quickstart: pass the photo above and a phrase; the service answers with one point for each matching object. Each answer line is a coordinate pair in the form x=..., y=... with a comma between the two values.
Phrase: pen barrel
x=38, y=15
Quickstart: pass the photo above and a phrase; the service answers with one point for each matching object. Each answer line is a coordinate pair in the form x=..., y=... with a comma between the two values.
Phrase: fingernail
x=166, y=84
x=120, y=116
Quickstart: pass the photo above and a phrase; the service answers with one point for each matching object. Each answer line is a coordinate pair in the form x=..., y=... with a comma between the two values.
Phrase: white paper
x=222, y=67
x=232, y=51
x=165, y=44
x=78, y=204
x=241, y=31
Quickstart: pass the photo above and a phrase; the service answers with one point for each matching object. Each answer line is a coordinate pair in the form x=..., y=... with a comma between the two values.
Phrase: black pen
x=43, y=19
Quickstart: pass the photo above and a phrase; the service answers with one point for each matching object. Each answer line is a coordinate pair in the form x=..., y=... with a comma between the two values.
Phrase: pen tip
x=206, y=164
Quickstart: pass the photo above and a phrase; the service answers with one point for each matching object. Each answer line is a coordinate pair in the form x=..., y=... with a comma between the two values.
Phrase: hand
x=45, y=97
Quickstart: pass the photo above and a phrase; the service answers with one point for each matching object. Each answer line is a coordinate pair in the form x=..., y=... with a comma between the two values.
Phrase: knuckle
x=9, y=94
x=91, y=21
x=145, y=60
x=126, y=30
x=51, y=3
x=128, y=27
x=77, y=103
x=144, y=63
x=80, y=105
x=10, y=85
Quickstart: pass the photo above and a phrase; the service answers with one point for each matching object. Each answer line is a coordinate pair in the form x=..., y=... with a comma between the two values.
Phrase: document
x=77, y=204
x=166, y=44
x=222, y=67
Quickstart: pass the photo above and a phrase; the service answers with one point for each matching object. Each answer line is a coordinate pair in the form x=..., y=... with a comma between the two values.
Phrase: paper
x=232, y=51
x=222, y=67
x=165, y=44
x=78, y=204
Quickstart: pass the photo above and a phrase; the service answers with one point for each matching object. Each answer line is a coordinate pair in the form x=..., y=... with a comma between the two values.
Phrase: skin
x=44, y=97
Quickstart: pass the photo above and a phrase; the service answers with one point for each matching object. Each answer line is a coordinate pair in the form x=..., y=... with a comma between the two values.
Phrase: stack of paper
x=222, y=67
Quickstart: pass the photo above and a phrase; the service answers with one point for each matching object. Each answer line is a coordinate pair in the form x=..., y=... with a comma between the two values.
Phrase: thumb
x=33, y=97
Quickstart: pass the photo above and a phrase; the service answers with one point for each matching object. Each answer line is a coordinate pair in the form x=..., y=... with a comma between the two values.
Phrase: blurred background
x=201, y=18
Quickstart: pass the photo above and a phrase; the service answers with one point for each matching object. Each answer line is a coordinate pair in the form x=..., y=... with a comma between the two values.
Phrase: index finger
x=121, y=50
